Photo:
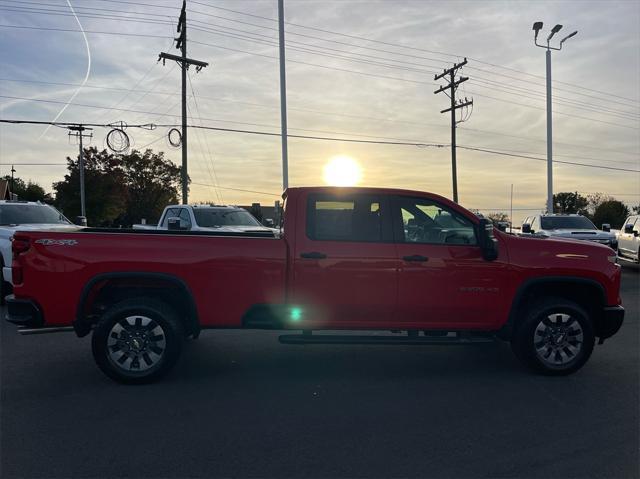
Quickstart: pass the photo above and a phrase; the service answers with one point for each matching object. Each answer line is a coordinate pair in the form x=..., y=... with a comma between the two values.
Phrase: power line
x=335, y=114
x=357, y=37
x=332, y=68
x=346, y=140
x=237, y=189
x=569, y=102
x=544, y=159
x=344, y=43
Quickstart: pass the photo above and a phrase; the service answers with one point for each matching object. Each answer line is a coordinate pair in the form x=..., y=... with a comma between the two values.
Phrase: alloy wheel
x=136, y=344
x=558, y=339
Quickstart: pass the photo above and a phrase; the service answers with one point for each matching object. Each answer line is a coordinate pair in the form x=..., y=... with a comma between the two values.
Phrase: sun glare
x=342, y=171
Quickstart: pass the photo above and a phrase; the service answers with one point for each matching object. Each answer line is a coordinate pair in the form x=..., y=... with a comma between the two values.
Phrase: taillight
x=20, y=244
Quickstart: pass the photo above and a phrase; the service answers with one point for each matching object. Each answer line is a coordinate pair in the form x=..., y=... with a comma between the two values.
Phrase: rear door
x=344, y=261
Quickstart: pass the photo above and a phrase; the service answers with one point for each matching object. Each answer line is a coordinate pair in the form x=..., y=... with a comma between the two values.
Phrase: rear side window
x=184, y=215
x=346, y=218
x=171, y=213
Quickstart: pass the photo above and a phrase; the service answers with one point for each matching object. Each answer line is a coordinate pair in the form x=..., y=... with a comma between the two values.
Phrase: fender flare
x=507, y=329
x=82, y=325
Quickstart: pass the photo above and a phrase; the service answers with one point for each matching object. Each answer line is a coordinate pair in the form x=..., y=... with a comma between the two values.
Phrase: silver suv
x=576, y=227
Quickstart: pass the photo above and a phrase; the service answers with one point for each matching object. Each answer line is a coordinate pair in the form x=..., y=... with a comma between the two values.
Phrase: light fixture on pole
x=537, y=26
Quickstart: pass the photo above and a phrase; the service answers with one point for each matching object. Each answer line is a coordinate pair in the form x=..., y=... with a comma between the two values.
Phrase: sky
x=355, y=69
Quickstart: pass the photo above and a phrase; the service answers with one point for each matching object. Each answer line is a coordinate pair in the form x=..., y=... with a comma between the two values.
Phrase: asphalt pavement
x=240, y=404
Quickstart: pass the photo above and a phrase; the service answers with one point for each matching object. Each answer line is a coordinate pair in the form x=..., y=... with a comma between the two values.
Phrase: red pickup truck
x=412, y=266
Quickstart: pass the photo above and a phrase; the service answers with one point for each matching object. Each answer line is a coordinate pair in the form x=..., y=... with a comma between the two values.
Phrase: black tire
x=555, y=338
x=137, y=341
x=3, y=285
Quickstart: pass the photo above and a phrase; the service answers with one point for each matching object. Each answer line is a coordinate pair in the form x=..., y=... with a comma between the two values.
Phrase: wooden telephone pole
x=452, y=86
x=184, y=62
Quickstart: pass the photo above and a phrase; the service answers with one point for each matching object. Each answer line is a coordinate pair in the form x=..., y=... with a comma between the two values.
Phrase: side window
x=526, y=221
x=534, y=224
x=636, y=226
x=421, y=220
x=184, y=215
x=345, y=218
x=171, y=213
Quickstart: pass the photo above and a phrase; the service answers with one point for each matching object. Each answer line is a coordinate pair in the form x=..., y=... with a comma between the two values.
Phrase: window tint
x=171, y=213
x=216, y=217
x=353, y=218
x=424, y=221
x=567, y=222
x=184, y=215
x=21, y=214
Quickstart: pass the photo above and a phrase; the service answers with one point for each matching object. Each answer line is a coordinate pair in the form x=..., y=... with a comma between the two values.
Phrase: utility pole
x=537, y=26
x=452, y=87
x=13, y=170
x=77, y=131
x=184, y=62
x=283, y=98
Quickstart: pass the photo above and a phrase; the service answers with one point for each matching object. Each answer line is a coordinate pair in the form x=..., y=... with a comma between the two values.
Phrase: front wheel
x=555, y=338
x=137, y=341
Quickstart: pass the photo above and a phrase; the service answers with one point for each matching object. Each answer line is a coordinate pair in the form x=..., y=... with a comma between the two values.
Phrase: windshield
x=213, y=217
x=566, y=222
x=24, y=214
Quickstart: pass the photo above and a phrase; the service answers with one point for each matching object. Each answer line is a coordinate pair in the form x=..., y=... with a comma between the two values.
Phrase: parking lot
x=241, y=404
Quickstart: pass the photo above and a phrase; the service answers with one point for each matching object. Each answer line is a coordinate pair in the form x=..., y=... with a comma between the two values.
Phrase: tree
x=498, y=217
x=596, y=199
x=105, y=191
x=613, y=212
x=569, y=203
x=636, y=209
x=30, y=191
x=120, y=189
x=152, y=182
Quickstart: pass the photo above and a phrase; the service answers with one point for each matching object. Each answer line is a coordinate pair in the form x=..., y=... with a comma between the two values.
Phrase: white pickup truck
x=231, y=219
x=629, y=239
x=23, y=216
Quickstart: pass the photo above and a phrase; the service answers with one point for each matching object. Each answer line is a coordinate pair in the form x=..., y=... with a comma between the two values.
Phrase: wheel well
x=103, y=292
x=585, y=293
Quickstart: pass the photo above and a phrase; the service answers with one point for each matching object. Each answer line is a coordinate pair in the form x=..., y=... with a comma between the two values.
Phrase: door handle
x=416, y=258
x=313, y=255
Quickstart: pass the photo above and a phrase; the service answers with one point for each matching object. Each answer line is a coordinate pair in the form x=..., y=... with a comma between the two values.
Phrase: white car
x=629, y=239
x=231, y=219
x=23, y=216
x=571, y=226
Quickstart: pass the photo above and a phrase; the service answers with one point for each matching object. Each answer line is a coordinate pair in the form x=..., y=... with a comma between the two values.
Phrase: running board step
x=410, y=340
x=54, y=329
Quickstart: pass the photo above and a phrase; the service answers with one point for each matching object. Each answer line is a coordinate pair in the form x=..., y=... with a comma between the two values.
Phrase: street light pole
x=536, y=28
x=549, y=137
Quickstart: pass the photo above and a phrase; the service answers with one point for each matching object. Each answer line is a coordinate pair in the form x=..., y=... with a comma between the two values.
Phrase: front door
x=444, y=283
x=344, y=261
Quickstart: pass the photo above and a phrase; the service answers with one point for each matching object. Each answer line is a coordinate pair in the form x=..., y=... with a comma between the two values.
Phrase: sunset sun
x=342, y=171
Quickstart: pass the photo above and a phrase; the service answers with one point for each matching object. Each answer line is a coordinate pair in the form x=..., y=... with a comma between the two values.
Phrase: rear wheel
x=555, y=338
x=137, y=341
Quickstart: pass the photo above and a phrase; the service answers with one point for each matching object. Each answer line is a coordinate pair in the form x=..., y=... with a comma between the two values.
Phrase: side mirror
x=488, y=242
x=81, y=220
x=606, y=227
x=176, y=224
x=502, y=226
x=628, y=229
x=526, y=228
